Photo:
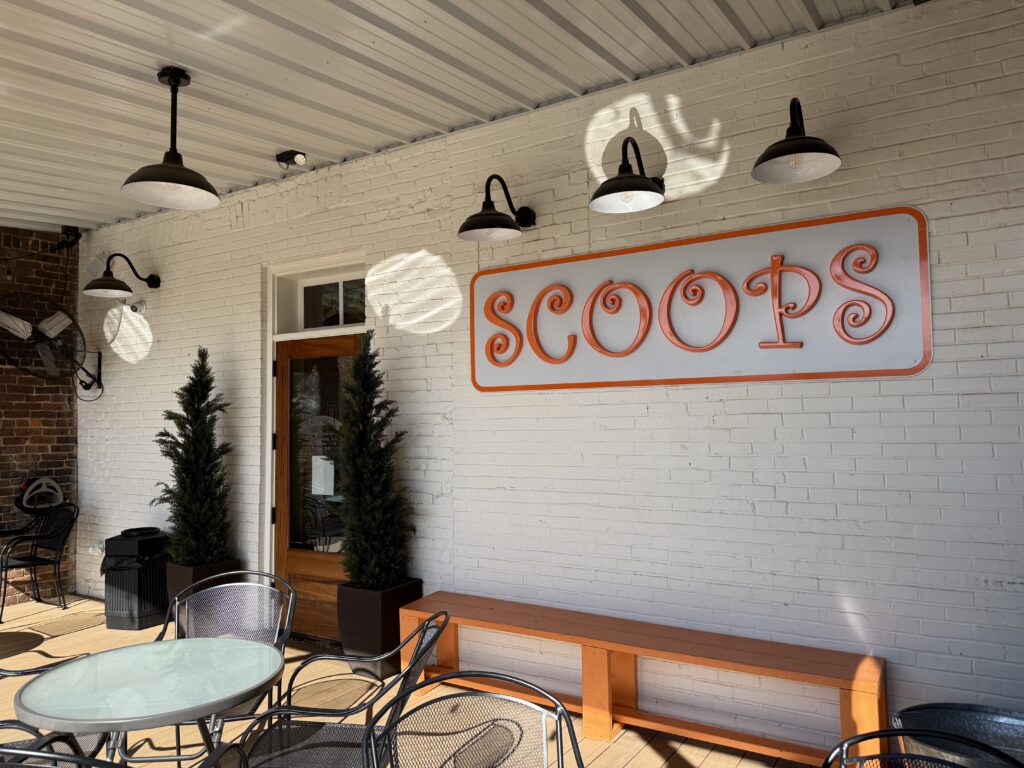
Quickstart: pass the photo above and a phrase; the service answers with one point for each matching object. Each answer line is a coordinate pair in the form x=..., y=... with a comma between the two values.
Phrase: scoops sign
x=834, y=297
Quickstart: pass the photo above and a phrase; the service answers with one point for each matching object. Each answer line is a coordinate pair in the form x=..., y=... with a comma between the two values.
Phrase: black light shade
x=489, y=224
x=628, y=191
x=170, y=184
x=106, y=286
x=797, y=157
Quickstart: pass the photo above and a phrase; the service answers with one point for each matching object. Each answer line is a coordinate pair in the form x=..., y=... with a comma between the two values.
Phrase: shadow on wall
x=414, y=292
x=692, y=161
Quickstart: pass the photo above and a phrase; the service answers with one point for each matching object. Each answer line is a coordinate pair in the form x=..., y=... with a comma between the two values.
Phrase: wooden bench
x=609, y=651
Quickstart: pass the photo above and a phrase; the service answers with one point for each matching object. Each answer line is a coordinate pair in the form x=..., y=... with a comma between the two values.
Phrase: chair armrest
x=346, y=658
x=16, y=541
x=5, y=532
x=17, y=725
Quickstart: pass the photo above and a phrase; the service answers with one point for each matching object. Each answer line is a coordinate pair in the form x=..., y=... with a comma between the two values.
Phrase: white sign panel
x=835, y=297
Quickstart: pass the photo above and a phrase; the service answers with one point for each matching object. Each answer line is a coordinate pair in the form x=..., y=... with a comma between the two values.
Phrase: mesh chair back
x=54, y=529
x=260, y=609
x=941, y=750
x=996, y=727
x=474, y=729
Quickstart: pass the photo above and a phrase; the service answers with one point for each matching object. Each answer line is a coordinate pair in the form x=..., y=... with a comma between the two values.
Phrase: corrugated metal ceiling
x=81, y=108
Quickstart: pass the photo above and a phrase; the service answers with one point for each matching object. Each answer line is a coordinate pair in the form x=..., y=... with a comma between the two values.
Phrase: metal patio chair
x=474, y=729
x=998, y=728
x=247, y=605
x=295, y=736
x=918, y=748
x=42, y=544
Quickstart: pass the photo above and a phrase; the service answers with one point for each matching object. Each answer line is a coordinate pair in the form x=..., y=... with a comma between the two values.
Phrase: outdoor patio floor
x=33, y=634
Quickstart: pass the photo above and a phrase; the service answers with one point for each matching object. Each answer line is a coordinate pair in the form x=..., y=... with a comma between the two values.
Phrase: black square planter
x=368, y=621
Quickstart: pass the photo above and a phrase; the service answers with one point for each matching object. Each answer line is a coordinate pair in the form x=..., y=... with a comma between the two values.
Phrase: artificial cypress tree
x=198, y=494
x=374, y=508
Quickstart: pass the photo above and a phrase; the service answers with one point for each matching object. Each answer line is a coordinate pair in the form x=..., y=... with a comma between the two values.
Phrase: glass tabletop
x=149, y=685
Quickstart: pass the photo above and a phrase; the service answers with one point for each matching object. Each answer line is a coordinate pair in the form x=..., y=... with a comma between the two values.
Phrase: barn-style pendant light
x=627, y=191
x=170, y=184
x=798, y=157
x=109, y=287
x=491, y=224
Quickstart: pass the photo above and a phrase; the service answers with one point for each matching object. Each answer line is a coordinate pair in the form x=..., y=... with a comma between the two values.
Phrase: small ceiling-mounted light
x=491, y=224
x=170, y=184
x=798, y=157
x=291, y=157
x=627, y=191
x=109, y=287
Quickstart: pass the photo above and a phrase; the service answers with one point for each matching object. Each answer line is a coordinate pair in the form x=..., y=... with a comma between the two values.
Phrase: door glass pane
x=314, y=452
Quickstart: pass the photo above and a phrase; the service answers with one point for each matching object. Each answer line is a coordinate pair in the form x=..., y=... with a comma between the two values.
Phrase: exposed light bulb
x=627, y=196
x=795, y=160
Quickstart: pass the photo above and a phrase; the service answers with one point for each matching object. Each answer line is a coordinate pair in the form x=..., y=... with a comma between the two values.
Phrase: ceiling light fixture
x=798, y=157
x=170, y=184
x=491, y=224
x=291, y=157
x=109, y=287
x=626, y=191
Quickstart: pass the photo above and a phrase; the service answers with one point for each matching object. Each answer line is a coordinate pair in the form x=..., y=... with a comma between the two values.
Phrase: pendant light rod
x=174, y=115
x=174, y=78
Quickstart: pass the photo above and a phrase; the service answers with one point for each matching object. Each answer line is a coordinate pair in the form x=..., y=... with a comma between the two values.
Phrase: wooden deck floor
x=33, y=634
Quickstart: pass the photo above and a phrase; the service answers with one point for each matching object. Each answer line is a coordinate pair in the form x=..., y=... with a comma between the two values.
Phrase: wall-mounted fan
x=41, y=339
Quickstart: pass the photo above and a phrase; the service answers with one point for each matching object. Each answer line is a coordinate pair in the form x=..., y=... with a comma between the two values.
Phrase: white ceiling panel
x=335, y=78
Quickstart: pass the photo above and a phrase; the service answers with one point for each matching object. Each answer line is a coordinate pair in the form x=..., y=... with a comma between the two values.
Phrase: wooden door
x=307, y=529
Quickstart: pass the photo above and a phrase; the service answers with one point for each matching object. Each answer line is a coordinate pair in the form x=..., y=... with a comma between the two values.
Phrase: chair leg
x=57, y=577
x=3, y=593
x=35, y=584
x=177, y=743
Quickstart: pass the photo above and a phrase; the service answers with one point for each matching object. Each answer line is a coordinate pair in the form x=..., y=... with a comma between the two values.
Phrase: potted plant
x=375, y=512
x=197, y=496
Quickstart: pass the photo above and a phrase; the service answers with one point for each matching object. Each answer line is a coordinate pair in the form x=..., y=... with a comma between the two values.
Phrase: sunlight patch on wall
x=691, y=160
x=415, y=292
x=128, y=333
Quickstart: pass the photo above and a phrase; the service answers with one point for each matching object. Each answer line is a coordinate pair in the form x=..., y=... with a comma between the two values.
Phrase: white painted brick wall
x=879, y=516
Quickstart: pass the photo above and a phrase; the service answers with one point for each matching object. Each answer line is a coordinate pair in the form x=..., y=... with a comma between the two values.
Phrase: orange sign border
x=926, y=316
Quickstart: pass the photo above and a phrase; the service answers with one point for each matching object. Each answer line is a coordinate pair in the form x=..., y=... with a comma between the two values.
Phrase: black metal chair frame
x=841, y=750
x=217, y=581
x=260, y=726
x=377, y=741
x=36, y=535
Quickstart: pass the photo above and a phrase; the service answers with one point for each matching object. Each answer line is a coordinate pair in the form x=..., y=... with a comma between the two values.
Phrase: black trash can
x=135, y=571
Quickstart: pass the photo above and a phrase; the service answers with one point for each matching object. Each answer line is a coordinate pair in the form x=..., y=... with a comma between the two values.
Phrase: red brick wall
x=38, y=431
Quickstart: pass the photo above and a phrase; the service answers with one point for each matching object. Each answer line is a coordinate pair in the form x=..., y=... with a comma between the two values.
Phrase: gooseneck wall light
x=170, y=184
x=492, y=224
x=109, y=287
x=627, y=191
x=798, y=157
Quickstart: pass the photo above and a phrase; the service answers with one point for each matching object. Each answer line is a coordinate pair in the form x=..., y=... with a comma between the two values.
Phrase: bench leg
x=598, y=695
x=448, y=648
x=861, y=712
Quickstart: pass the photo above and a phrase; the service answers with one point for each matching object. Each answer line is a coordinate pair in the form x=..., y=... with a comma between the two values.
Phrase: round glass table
x=149, y=685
